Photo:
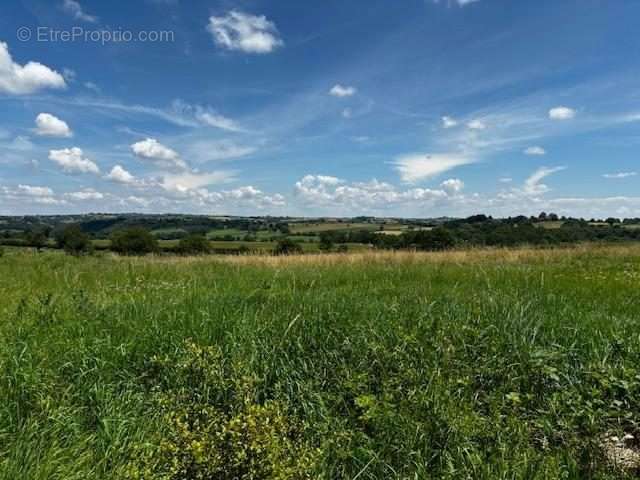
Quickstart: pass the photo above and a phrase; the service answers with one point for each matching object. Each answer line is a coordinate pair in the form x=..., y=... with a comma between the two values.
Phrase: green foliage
x=484, y=366
x=286, y=246
x=37, y=237
x=211, y=429
x=194, y=245
x=73, y=240
x=133, y=241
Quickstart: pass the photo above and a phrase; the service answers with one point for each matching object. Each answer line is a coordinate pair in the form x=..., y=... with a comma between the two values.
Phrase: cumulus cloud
x=535, y=150
x=48, y=125
x=325, y=191
x=449, y=122
x=186, y=182
x=619, y=175
x=86, y=194
x=32, y=191
x=151, y=149
x=244, y=32
x=252, y=196
x=119, y=175
x=452, y=185
x=72, y=160
x=16, y=79
x=562, y=113
x=342, y=91
x=74, y=9
x=29, y=194
x=419, y=166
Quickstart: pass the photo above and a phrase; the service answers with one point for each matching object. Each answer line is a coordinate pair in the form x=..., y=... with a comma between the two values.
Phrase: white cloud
x=32, y=191
x=119, y=175
x=204, y=116
x=72, y=160
x=342, y=91
x=331, y=192
x=48, y=125
x=17, y=79
x=449, y=122
x=347, y=113
x=562, y=113
x=217, y=121
x=535, y=150
x=28, y=194
x=476, y=125
x=186, y=182
x=244, y=32
x=419, y=166
x=620, y=175
x=252, y=196
x=74, y=9
x=505, y=180
x=532, y=185
x=86, y=194
x=151, y=149
x=452, y=185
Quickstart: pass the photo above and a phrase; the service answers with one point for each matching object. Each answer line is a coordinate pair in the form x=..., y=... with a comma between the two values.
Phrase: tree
x=37, y=238
x=326, y=242
x=74, y=240
x=286, y=246
x=133, y=241
x=194, y=244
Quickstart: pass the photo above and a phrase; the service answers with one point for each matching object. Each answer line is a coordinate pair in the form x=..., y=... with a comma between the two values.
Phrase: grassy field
x=489, y=364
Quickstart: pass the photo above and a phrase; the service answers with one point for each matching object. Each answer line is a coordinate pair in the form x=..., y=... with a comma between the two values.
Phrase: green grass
x=371, y=367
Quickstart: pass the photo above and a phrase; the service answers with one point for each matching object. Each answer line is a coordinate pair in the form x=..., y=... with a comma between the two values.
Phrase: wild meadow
x=486, y=364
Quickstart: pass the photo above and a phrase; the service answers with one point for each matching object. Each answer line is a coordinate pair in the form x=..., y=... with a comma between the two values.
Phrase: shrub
x=286, y=246
x=133, y=241
x=194, y=245
x=73, y=240
x=212, y=429
x=37, y=238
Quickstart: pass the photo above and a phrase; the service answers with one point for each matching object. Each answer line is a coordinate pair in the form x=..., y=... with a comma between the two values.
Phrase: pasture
x=479, y=364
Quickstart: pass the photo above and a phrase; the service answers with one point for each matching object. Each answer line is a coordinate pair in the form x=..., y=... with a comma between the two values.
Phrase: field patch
x=488, y=364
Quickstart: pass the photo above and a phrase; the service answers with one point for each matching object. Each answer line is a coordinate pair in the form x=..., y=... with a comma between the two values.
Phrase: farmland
x=483, y=363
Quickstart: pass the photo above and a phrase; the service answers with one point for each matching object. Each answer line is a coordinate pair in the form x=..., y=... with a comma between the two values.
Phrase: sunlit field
x=485, y=364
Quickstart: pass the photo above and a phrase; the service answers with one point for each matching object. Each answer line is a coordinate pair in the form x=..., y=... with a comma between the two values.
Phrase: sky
x=412, y=108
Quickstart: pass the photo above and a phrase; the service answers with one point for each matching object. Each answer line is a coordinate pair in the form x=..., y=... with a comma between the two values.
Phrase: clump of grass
x=487, y=364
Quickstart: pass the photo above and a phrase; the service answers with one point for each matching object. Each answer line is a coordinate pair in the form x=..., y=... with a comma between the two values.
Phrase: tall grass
x=489, y=364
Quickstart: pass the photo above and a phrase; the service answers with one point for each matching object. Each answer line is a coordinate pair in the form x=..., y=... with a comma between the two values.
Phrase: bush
x=286, y=246
x=73, y=240
x=37, y=238
x=211, y=427
x=194, y=245
x=133, y=241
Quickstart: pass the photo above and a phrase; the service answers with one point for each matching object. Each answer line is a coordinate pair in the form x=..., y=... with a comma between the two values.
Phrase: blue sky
x=417, y=108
